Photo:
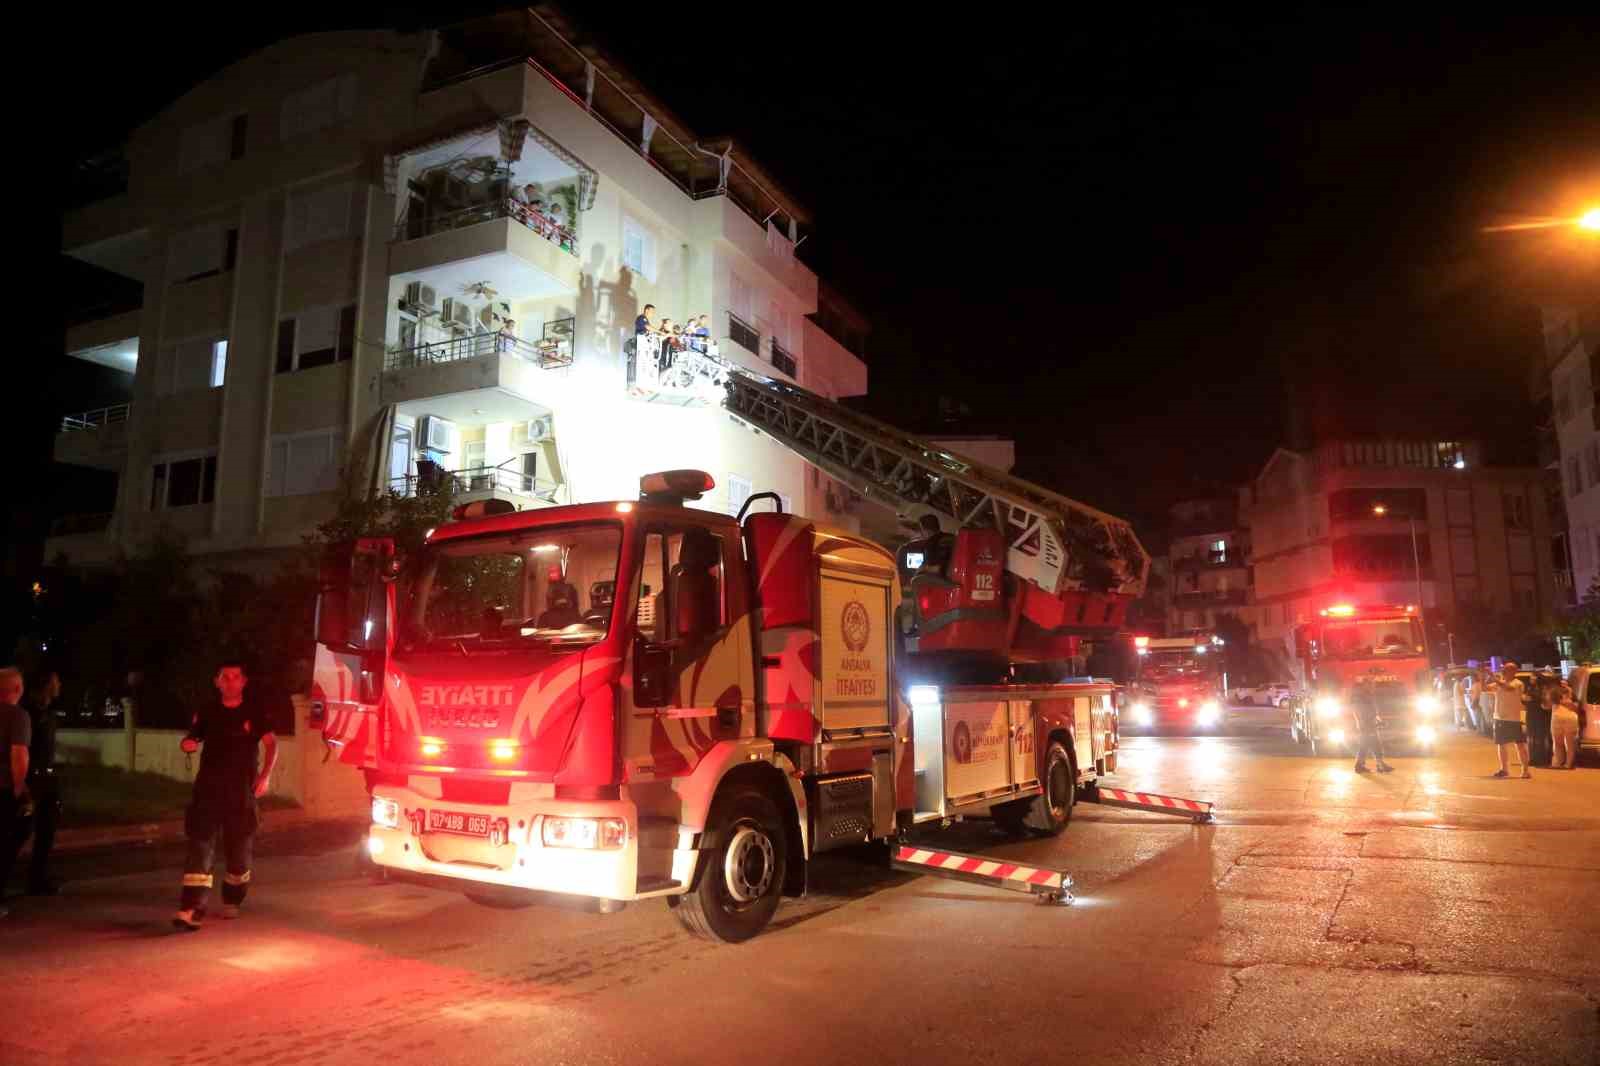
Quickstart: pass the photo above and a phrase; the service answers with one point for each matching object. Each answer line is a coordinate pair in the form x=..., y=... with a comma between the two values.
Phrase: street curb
x=172, y=830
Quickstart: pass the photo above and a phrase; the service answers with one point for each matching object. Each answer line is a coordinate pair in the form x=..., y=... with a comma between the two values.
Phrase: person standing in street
x=1540, y=702
x=15, y=731
x=44, y=784
x=1365, y=700
x=1564, y=728
x=225, y=792
x=1505, y=697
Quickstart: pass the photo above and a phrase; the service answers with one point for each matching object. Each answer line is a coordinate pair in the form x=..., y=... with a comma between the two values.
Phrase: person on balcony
x=700, y=335
x=505, y=341
x=646, y=322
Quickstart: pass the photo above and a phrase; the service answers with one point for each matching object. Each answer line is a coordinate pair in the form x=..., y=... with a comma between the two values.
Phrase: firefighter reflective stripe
x=196, y=880
x=236, y=879
x=975, y=867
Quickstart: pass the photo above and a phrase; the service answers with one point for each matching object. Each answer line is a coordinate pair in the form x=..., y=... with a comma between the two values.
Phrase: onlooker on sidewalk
x=1564, y=728
x=225, y=792
x=1504, y=694
x=1461, y=702
x=1539, y=704
x=15, y=731
x=44, y=784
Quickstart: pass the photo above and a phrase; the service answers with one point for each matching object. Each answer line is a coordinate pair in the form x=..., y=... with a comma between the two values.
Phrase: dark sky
x=1114, y=238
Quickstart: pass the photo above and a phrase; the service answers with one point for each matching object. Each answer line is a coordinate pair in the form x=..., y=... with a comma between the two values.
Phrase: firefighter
x=225, y=792
x=1365, y=708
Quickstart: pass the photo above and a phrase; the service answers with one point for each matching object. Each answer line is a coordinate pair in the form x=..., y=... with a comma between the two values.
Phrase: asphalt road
x=1432, y=915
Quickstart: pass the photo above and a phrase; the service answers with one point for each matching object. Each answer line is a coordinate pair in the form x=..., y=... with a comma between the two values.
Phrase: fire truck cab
x=640, y=699
x=1180, y=683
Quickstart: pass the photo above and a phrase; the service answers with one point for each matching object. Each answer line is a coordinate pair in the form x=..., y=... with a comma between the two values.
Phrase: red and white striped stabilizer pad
x=1152, y=801
x=989, y=871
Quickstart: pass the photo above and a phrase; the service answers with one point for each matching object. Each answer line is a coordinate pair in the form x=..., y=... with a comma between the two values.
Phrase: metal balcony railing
x=100, y=416
x=552, y=352
x=411, y=228
x=782, y=360
x=493, y=479
x=744, y=334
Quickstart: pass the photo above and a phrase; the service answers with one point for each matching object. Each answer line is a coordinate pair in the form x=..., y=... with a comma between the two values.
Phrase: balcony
x=96, y=438
x=1210, y=598
x=1209, y=561
x=482, y=483
x=685, y=377
x=489, y=369
x=782, y=361
x=497, y=244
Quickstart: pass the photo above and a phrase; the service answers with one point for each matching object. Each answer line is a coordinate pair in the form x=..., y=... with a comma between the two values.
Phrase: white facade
x=284, y=214
x=1570, y=348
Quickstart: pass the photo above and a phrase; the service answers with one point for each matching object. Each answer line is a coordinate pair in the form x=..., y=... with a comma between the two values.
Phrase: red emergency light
x=1141, y=642
x=1340, y=610
x=675, y=485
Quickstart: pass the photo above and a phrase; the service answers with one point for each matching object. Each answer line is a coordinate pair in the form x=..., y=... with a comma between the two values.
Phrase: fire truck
x=1180, y=683
x=641, y=699
x=1352, y=653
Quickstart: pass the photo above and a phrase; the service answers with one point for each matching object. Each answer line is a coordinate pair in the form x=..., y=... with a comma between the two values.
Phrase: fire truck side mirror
x=652, y=673
x=352, y=598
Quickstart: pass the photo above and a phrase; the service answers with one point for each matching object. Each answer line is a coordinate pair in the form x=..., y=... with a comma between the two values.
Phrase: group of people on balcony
x=693, y=335
x=540, y=214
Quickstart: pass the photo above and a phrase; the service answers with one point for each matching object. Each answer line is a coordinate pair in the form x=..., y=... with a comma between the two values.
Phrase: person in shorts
x=1505, y=698
x=1564, y=728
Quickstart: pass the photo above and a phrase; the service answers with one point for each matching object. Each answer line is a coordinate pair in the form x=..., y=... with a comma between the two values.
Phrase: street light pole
x=1416, y=568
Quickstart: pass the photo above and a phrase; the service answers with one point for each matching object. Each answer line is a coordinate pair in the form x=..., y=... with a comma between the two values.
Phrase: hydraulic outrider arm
x=1056, y=543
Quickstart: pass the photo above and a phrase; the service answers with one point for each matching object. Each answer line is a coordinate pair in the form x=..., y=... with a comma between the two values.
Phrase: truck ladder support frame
x=1196, y=811
x=1050, y=886
x=1064, y=540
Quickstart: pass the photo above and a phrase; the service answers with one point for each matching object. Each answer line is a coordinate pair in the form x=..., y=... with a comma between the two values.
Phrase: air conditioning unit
x=422, y=298
x=486, y=317
x=532, y=431
x=439, y=434
x=457, y=313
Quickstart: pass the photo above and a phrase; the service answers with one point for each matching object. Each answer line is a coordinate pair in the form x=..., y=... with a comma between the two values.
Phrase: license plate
x=468, y=825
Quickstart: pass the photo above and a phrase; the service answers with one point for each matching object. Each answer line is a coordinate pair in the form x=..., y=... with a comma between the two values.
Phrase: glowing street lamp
x=1590, y=220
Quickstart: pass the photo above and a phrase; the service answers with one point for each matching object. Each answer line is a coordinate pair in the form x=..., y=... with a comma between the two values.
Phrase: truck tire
x=740, y=879
x=1049, y=812
x=1012, y=818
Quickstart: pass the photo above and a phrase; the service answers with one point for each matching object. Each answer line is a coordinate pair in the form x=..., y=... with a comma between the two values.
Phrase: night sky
x=1115, y=239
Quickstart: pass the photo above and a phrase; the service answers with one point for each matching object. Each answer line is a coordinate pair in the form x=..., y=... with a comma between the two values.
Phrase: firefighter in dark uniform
x=1365, y=709
x=225, y=791
x=43, y=781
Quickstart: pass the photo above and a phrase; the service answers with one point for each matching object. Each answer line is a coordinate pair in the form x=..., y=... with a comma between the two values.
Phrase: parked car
x=1585, y=682
x=1272, y=694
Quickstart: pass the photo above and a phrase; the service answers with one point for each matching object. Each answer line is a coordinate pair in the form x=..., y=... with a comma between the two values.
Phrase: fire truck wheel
x=1050, y=812
x=741, y=877
x=1012, y=818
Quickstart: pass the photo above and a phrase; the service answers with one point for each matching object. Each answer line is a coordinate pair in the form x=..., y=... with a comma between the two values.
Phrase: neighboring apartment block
x=422, y=255
x=1350, y=519
x=1570, y=442
x=1207, y=559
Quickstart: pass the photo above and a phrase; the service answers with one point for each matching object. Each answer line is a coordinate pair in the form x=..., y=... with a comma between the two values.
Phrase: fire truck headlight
x=1142, y=714
x=1210, y=713
x=1427, y=705
x=1328, y=707
x=1335, y=736
x=561, y=831
x=385, y=812
x=374, y=846
x=1426, y=734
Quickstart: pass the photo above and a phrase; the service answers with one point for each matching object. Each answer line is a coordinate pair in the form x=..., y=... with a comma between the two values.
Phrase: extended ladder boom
x=1056, y=543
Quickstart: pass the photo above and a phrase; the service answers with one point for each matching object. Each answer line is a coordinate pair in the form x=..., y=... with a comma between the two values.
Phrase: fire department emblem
x=961, y=743
x=856, y=626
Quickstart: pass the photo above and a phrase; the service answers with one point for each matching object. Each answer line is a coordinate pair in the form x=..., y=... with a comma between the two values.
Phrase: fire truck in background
x=639, y=699
x=1353, y=653
x=1180, y=683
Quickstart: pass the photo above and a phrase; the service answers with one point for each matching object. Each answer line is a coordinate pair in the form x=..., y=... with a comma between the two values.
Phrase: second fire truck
x=1180, y=683
x=639, y=699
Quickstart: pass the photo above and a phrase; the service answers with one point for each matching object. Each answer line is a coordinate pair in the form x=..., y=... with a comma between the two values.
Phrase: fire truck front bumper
x=584, y=848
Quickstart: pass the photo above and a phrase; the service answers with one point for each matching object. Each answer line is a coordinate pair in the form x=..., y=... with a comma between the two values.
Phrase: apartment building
x=414, y=256
x=1206, y=558
x=1396, y=521
x=1569, y=445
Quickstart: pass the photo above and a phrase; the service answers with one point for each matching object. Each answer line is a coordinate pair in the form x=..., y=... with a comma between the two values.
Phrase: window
x=316, y=338
x=201, y=252
x=325, y=104
x=183, y=482
x=1574, y=478
x=739, y=490
x=191, y=364
x=318, y=215
x=743, y=334
x=1591, y=459
x=304, y=463
x=1219, y=551
x=1516, y=507
x=681, y=597
x=474, y=453
x=638, y=248
x=1451, y=455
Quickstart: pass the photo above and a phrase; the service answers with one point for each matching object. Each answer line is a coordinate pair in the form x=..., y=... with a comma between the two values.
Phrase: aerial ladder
x=1013, y=569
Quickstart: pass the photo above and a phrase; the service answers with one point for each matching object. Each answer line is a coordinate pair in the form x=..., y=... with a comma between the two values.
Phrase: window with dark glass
x=238, y=132
x=285, y=346
x=230, y=249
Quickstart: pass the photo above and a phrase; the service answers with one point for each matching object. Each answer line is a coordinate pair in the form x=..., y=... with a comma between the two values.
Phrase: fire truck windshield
x=552, y=585
x=1165, y=665
x=1364, y=638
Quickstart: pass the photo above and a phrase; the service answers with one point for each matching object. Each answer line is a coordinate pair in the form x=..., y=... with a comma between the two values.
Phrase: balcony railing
x=100, y=416
x=1232, y=597
x=782, y=360
x=69, y=524
x=411, y=228
x=492, y=479
x=553, y=351
x=744, y=334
